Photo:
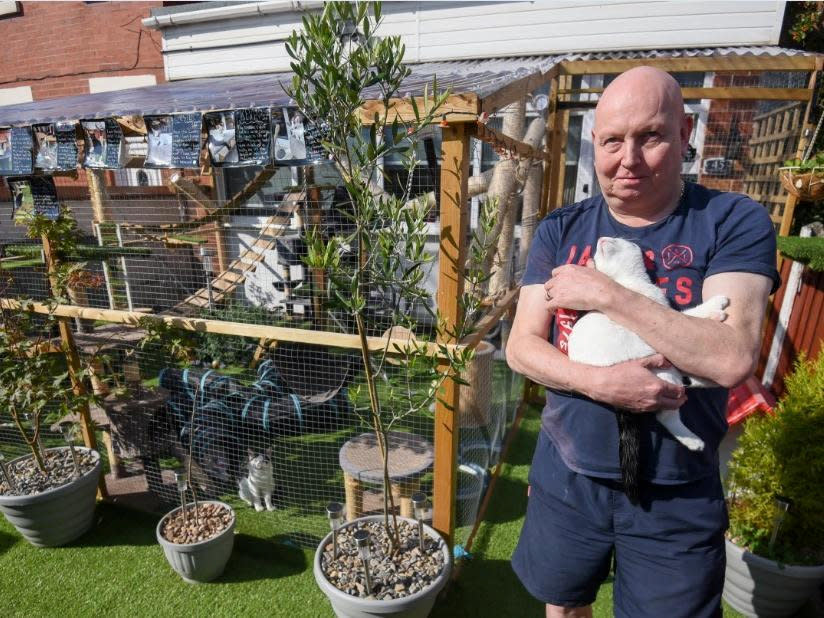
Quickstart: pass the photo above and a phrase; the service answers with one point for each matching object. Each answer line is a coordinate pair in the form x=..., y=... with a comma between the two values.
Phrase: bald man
x=669, y=547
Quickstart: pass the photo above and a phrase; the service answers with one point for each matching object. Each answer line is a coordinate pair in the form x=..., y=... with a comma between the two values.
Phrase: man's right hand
x=632, y=386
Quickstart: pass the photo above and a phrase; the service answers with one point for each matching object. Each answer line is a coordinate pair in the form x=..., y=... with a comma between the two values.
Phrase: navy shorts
x=669, y=549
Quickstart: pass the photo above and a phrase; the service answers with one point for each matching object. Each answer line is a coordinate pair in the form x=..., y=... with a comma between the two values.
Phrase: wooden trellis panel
x=774, y=139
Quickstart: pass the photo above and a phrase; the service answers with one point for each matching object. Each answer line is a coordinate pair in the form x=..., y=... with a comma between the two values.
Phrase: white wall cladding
x=441, y=30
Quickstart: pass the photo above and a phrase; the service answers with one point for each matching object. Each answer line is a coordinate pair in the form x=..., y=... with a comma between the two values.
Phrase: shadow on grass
x=114, y=525
x=487, y=588
x=254, y=559
x=521, y=451
x=509, y=501
x=7, y=541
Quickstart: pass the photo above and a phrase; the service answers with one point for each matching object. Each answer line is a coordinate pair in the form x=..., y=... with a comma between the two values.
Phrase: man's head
x=640, y=137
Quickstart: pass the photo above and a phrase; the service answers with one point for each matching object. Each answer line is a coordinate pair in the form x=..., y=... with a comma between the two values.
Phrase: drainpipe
x=232, y=11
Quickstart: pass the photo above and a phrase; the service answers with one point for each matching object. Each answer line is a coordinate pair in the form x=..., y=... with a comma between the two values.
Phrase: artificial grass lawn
x=118, y=569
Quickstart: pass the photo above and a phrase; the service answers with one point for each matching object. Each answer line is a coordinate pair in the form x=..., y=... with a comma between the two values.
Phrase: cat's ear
x=251, y=453
x=268, y=453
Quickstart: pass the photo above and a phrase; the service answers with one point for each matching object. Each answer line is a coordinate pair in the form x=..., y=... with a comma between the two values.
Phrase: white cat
x=597, y=340
x=256, y=489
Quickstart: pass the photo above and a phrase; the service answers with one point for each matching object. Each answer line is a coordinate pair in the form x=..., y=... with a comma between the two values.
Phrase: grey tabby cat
x=256, y=489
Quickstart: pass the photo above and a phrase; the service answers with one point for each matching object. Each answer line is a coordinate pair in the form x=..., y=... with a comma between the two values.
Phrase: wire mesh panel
x=266, y=423
x=736, y=143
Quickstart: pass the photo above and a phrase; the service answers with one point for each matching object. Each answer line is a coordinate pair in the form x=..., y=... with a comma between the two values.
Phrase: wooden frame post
x=72, y=360
x=454, y=213
x=554, y=145
x=807, y=129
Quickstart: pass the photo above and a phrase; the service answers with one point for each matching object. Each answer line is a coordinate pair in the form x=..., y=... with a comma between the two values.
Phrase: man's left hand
x=578, y=287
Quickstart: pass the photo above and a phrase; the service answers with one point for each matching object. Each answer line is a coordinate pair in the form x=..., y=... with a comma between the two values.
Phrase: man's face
x=639, y=144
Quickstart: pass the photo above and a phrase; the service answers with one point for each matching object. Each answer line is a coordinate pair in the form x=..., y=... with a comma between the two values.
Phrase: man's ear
x=685, y=132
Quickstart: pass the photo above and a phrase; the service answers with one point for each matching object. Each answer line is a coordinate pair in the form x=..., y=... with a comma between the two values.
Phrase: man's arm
x=724, y=352
x=630, y=385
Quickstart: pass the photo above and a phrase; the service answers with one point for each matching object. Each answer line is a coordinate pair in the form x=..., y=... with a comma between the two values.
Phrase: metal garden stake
x=783, y=505
x=68, y=436
x=335, y=512
x=419, y=506
x=362, y=540
x=6, y=473
x=182, y=486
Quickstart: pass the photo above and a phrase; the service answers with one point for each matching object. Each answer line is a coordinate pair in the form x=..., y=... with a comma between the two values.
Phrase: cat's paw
x=270, y=507
x=693, y=444
x=258, y=507
x=712, y=309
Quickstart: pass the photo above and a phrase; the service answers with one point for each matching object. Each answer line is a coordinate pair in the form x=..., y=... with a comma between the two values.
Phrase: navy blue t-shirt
x=710, y=232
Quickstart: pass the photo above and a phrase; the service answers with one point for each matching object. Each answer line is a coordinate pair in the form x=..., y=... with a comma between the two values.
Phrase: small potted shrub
x=197, y=537
x=775, y=545
x=380, y=564
x=49, y=495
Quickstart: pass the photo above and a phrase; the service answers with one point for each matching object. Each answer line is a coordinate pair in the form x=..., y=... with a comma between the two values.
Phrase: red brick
x=65, y=38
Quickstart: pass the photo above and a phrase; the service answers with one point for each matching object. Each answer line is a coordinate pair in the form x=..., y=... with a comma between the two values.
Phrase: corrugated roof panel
x=482, y=77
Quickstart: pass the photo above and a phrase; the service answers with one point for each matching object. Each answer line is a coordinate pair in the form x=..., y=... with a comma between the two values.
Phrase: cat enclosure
x=210, y=340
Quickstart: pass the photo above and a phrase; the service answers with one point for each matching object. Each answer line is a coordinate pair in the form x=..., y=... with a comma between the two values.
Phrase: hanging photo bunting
x=66, y=133
x=45, y=147
x=55, y=146
x=296, y=142
x=33, y=195
x=238, y=138
x=104, y=143
x=173, y=141
x=252, y=132
x=16, y=151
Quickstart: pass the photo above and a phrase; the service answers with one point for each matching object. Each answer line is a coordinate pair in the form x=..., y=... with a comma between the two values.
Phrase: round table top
x=409, y=456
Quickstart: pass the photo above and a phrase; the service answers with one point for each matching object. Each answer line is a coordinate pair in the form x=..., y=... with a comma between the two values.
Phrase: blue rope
x=298, y=410
x=266, y=414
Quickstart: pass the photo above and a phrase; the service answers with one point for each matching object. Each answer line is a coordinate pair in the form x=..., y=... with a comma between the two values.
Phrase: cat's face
x=615, y=257
x=260, y=461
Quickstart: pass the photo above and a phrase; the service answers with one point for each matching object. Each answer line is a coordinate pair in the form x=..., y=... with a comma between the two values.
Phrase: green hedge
x=809, y=251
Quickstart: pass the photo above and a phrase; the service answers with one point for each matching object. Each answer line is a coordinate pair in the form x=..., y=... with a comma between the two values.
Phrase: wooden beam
x=514, y=91
x=452, y=257
x=220, y=327
x=807, y=131
x=514, y=147
x=490, y=319
x=757, y=94
x=98, y=195
x=742, y=93
x=457, y=108
x=72, y=358
x=705, y=63
x=555, y=146
x=180, y=184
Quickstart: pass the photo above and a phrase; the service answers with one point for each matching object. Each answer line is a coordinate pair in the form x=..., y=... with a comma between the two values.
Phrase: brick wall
x=55, y=47
x=728, y=132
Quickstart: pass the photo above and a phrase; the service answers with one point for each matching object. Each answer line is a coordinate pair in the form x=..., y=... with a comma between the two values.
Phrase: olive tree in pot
x=382, y=564
x=197, y=537
x=775, y=545
x=49, y=495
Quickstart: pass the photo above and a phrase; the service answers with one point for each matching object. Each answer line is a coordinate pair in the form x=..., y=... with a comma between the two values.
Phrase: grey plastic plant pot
x=416, y=605
x=756, y=586
x=56, y=516
x=199, y=562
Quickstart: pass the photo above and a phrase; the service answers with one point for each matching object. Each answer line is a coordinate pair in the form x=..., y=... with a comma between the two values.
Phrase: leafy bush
x=783, y=454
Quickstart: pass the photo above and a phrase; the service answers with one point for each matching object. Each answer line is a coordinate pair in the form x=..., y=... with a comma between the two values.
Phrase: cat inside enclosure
x=256, y=489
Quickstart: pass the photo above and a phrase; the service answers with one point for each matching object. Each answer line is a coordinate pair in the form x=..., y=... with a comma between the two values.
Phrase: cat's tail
x=629, y=453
